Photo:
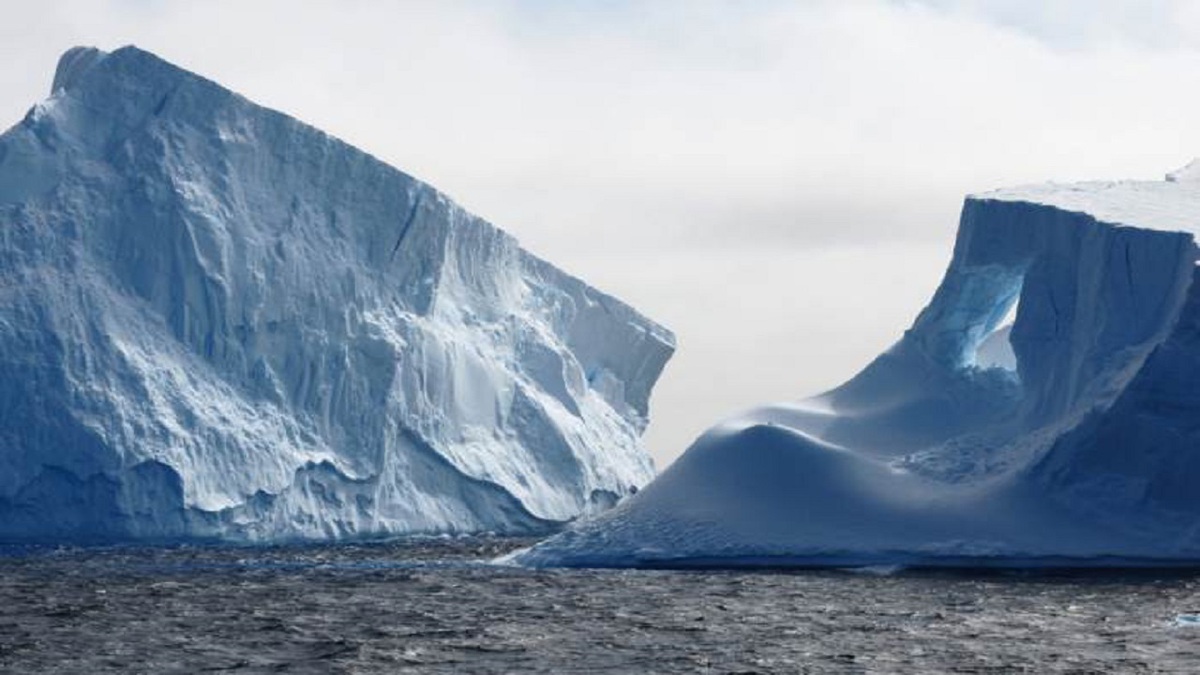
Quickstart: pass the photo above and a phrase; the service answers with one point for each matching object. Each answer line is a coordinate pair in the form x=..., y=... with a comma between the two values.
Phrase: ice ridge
x=216, y=321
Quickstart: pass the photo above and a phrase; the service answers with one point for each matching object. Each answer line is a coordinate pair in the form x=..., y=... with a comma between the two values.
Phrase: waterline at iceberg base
x=218, y=322
x=1043, y=409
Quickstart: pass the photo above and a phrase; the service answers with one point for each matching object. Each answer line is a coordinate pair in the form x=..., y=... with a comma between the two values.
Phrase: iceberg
x=219, y=322
x=1043, y=409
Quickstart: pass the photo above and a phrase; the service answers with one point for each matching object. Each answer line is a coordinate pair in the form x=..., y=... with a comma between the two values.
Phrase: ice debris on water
x=1186, y=621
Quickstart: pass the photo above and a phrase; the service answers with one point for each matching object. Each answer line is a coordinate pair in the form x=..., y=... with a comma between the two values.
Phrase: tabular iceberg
x=1044, y=408
x=216, y=321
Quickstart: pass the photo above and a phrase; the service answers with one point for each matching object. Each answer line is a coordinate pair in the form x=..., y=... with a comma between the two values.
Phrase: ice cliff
x=216, y=321
x=1044, y=408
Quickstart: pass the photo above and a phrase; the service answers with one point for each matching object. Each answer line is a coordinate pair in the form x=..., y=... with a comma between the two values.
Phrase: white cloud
x=657, y=148
x=1082, y=24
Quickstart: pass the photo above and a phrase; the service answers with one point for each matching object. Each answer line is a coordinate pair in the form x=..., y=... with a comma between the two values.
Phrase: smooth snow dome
x=1072, y=434
x=216, y=321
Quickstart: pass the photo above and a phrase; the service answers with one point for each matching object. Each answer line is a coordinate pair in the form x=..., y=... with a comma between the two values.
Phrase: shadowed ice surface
x=436, y=606
x=1042, y=405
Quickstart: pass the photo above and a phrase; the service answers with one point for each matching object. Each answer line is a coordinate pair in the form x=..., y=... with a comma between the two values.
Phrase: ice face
x=216, y=321
x=1043, y=406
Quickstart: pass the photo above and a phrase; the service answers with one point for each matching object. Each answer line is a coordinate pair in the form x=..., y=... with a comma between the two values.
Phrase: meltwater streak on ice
x=1077, y=442
x=216, y=321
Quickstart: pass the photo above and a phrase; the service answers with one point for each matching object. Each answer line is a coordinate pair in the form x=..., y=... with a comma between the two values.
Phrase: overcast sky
x=778, y=182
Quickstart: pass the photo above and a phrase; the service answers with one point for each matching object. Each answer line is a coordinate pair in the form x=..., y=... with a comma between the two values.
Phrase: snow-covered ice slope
x=1072, y=433
x=216, y=321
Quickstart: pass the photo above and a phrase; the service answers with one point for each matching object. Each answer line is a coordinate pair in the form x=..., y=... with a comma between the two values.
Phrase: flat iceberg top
x=1041, y=408
x=1171, y=205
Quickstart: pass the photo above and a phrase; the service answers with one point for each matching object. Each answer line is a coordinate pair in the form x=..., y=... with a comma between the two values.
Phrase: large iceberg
x=216, y=321
x=1044, y=408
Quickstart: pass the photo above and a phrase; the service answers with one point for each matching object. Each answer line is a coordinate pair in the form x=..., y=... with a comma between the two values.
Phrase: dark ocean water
x=436, y=606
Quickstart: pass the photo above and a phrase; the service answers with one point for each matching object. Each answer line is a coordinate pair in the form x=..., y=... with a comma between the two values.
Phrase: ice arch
x=1087, y=448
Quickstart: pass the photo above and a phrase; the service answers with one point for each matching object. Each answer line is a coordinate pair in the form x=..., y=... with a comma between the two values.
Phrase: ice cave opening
x=970, y=324
x=995, y=350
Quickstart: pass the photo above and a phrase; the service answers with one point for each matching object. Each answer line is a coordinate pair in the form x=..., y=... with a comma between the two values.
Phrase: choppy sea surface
x=438, y=606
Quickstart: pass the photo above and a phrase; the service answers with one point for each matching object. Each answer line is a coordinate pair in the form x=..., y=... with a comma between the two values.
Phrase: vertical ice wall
x=217, y=321
x=1084, y=446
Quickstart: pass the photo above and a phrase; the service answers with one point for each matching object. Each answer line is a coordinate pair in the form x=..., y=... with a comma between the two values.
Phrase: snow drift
x=1071, y=434
x=216, y=321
